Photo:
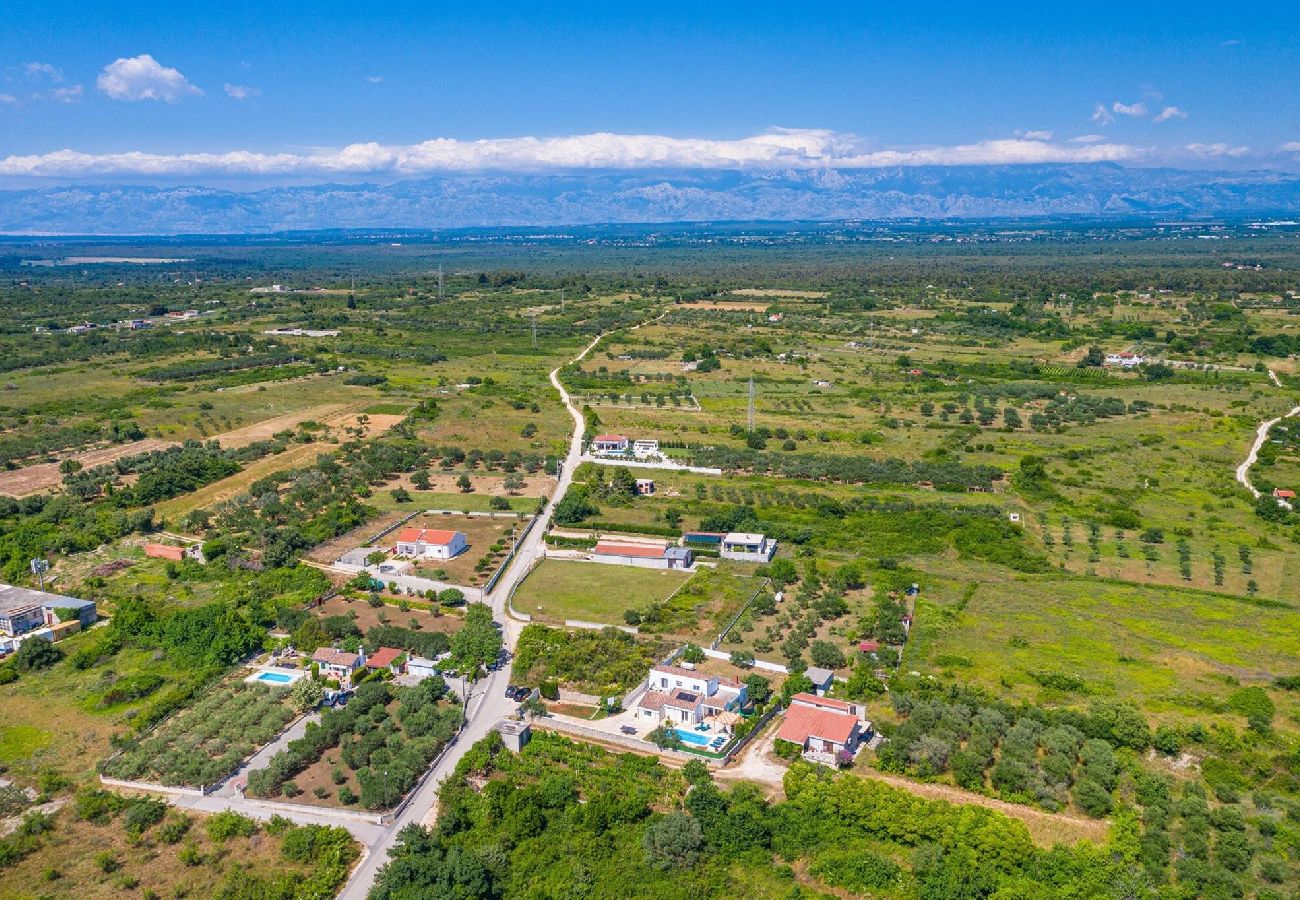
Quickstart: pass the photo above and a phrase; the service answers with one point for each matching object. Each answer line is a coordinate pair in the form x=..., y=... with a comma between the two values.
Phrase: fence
x=758, y=663
x=748, y=736
x=505, y=563
x=736, y=618
x=389, y=530
x=201, y=791
x=510, y=598
x=599, y=626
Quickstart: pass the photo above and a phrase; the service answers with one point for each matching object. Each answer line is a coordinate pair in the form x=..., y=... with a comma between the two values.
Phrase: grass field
x=1177, y=653
x=592, y=592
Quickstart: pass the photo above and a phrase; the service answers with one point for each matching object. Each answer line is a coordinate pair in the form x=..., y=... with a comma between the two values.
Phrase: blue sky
x=280, y=92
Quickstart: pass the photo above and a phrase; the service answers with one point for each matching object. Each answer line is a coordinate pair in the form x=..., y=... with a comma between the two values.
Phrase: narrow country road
x=1261, y=435
x=487, y=704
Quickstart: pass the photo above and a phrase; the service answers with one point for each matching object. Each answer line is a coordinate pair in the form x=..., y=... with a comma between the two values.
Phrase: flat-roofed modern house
x=645, y=448
x=609, y=443
x=681, y=695
x=431, y=543
x=747, y=547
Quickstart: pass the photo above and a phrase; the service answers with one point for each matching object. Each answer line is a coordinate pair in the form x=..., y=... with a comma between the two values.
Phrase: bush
x=106, y=861
x=143, y=813
x=786, y=749
x=227, y=824
x=96, y=806
x=172, y=830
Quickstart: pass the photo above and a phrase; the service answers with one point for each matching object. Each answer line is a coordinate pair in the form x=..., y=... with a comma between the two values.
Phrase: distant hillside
x=654, y=196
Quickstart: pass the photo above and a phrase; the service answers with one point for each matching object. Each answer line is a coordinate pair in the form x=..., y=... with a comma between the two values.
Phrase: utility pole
x=751, y=404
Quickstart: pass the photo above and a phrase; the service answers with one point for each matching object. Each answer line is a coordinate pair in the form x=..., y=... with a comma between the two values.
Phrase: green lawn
x=593, y=592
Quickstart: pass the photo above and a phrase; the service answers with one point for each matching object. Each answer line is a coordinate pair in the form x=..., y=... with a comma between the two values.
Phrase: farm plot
x=46, y=476
x=207, y=742
x=370, y=752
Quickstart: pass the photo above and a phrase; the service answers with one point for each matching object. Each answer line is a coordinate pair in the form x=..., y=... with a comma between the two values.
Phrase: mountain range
x=648, y=196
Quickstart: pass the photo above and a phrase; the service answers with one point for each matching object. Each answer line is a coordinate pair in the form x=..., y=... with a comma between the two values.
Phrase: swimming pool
x=702, y=738
x=274, y=678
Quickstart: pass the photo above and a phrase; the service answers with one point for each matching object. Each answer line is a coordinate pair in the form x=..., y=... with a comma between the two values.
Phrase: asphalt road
x=487, y=703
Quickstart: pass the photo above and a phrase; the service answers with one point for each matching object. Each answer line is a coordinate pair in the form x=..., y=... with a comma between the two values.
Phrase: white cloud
x=1035, y=135
x=374, y=79
x=241, y=91
x=1290, y=147
x=1136, y=110
x=70, y=94
x=8, y=99
x=144, y=78
x=1216, y=150
x=1170, y=112
x=1101, y=114
x=775, y=149
x=43, y=70
x=1088, y=139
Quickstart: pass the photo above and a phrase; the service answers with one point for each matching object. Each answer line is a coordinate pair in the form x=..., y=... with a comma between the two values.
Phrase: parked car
x=628, y=729
x=512, y=692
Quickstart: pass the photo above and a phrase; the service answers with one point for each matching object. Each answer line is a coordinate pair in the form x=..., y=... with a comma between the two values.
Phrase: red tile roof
x=383, y=658
x=164, y=551
x=824, y=702
x=1283, y=492
x=639, y=550
x=328, y=656
x=803, y=722
x=434, y=536
x=868, y=646
x=609, y=438
x=652, y=700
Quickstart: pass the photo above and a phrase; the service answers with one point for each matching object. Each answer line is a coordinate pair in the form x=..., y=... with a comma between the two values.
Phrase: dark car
x=512, y=692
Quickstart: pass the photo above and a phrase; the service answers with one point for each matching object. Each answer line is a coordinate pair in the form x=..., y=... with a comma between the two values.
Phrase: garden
x=203, y=744
x=369, y=752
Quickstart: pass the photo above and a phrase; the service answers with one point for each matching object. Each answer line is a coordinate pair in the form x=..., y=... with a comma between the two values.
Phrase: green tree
x=307, y=694
x=672, y=841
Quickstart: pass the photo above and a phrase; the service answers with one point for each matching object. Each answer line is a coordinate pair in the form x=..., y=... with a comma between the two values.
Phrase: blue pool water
x=274, y=678
x=694, y=737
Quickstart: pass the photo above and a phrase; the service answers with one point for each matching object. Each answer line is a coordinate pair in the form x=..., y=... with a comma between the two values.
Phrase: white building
x=609, y=443
x=678, y=695
x=1127, y=360
x=747, y=547
x=431, y=543
x=644, y=449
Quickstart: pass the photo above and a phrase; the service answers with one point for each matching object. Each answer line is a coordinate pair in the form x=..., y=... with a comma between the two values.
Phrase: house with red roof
x=1283, y=494
x=386, y=658
x=430, y=543
x=827, y=731
x=609, y=443
x=338, y=664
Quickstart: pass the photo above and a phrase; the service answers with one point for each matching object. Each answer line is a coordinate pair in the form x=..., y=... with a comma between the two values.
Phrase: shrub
x=106, y=861
x=227, y=824
x=143, y=813
x=99, y=807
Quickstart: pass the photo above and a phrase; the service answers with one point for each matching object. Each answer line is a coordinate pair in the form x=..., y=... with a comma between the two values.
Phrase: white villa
x=609, y=443
x=684, y=696
x=430, y=543
x=747, y=547
x=645, y=448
